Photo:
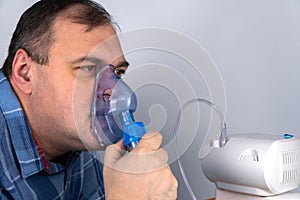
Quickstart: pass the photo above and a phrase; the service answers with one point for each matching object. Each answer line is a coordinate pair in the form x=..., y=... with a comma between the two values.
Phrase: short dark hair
x=34, y=31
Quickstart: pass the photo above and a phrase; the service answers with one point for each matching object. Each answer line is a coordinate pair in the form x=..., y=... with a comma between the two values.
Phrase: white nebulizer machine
x=252, y=166
x=249, y=165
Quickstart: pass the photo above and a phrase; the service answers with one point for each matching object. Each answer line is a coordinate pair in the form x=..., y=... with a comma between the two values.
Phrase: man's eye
x=89, y=68
x=120, y=71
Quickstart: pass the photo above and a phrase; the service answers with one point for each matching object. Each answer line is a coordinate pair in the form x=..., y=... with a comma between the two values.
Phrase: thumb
x=113, y=153
x=150, y=142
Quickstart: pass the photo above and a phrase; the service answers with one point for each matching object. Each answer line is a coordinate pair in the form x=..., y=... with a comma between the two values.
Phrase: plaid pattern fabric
x=22, y=172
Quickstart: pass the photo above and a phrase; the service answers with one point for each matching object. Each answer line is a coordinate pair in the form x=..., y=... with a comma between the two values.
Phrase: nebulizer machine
x=253, y=166
x=112, y=110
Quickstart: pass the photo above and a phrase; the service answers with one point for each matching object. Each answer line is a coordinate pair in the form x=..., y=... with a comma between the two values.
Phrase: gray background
x=254, y=43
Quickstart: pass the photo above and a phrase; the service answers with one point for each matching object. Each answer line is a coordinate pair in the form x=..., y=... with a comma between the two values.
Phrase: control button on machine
x=288, y=136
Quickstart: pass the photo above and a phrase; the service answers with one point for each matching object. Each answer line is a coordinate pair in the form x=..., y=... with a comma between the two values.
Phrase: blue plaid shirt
x=22, y=173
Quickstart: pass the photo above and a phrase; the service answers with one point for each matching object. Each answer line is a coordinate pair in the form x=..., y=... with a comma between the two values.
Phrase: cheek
x=82, y=103
x=56, y=96
x=64, y=98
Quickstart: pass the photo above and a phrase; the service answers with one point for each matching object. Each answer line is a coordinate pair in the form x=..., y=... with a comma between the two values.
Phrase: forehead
x=72, y=39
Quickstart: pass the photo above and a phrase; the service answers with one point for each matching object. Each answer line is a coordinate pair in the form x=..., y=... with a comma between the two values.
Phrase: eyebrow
x=123, y=64
x=87, y=58
x=96, y=60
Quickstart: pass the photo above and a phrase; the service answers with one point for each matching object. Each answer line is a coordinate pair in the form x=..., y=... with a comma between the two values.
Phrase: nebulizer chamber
x=112, y=110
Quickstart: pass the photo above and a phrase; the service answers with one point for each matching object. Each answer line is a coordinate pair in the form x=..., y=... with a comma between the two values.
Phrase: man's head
x=51, y=65
x=34, y=31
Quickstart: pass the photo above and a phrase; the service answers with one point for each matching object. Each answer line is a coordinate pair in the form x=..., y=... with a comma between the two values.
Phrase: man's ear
x=21, y=71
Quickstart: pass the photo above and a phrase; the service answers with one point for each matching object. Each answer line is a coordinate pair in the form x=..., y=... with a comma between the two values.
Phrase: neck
x=49, y=151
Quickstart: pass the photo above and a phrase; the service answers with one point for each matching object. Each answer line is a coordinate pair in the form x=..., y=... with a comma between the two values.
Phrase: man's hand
x=141, y=174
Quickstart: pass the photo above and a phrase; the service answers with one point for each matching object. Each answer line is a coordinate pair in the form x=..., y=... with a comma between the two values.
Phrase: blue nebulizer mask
x=112, y=110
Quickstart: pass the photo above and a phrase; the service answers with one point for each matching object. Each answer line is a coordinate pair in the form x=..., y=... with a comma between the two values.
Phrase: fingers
x=113, y=153
x=120, y=144
x=146, y=157
x=142, y=162
x=150, y=142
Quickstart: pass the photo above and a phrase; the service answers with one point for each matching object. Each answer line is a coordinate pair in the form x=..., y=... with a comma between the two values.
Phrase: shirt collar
x=26, y=152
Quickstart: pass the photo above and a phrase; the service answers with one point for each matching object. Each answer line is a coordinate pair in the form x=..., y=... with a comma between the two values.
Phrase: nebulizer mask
x=112, y=110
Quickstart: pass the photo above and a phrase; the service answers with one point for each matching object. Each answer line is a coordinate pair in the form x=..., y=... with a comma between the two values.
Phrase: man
x=42, y=154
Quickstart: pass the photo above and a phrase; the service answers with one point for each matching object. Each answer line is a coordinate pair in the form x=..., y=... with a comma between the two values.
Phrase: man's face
x=63, y=90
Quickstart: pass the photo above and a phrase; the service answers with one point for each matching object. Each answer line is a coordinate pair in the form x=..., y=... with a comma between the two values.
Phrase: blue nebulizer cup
x=112, y=110
x=132, y=131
